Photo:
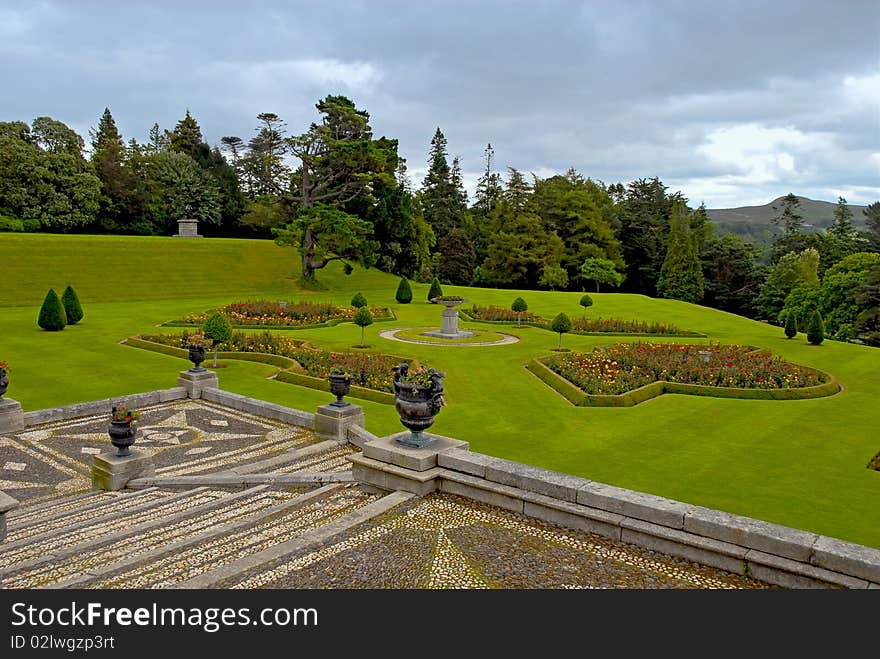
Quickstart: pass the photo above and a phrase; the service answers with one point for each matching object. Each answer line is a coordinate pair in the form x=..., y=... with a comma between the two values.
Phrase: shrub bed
x=265, y=313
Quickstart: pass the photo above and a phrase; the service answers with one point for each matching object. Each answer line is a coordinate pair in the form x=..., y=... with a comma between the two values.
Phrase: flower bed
x=580, y=325
x=367, y=370
x=623, y=367
x=265, y=313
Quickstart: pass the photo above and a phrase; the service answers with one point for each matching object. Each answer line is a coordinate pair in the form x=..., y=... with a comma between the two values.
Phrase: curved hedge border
x=576, y=396
x=291, y=371
x=687, y=334
x=330, y=323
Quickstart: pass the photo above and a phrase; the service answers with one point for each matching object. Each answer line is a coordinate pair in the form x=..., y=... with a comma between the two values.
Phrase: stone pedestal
x=187, y=228
x=7, y=503
x=194, y=383
x=331, y=421
x=450, y=330
x=110, y=472
x=388, y=465
x=11, y=416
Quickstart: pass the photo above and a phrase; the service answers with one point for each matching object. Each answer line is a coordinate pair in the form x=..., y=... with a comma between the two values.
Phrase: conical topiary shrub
x=52, y=315
x=435, y=291
x=358, y=301
x=72, y=307
x=816, y=329
x=791, y=325
x=404, y=291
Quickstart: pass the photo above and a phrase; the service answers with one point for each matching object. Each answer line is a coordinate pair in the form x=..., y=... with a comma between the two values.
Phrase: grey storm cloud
x=730, y=102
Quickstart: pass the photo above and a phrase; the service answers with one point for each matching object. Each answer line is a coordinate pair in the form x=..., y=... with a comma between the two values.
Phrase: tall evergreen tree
x=842, y=226
x=489, y=188
x=789, y=219
x=186, y=136
x=872, y=221
x=681, y=276
x=109, y=161
x=264, y=167
x=644, y=214
x=441, y=199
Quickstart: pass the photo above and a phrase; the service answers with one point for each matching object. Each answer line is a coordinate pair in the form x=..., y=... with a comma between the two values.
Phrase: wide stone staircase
x=174, y=529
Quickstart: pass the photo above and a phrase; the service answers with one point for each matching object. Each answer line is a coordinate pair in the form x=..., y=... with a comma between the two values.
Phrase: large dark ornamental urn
x=122, y=434
x=340, y=385
x=418, y=399
x=4, y=382
x=197, y=356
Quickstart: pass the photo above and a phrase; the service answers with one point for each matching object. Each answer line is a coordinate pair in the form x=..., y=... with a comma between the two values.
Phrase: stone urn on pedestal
x=340, y=385
x=4, y=379
x=418, y=399
x=123, y=430
x=197, y=343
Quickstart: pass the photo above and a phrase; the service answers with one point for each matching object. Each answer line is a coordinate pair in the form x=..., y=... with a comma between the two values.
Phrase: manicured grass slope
x=798, y=463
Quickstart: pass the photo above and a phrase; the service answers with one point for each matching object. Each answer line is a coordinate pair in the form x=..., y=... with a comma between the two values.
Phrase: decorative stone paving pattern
x=25, y=515
x=185, y=437
x=187, y=528
x=11, y=556
x=475, y=545
x=173, y=569
x=74, y=517
x=332, y=460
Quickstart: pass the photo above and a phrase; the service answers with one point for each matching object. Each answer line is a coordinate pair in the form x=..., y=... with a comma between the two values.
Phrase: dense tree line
x=337, y=192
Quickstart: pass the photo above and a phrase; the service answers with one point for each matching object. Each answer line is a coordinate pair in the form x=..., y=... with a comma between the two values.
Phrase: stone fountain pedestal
x=450, y=321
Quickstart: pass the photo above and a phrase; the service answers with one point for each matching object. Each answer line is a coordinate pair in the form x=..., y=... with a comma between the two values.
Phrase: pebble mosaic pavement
x=437, y=541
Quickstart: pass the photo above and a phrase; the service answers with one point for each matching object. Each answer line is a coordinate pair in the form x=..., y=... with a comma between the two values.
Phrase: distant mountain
x=755, y=222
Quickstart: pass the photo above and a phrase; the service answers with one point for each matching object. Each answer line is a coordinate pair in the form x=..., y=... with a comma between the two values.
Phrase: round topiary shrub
x=816, y=329
x=52, y=318
x=218, y=329
x=586, y=301
x=404, y=291
x=358, y=301
x=791, y=325
x=561, y=324
x=362, y=318
x=435, y=291
x=72, y=307
x=519, y=306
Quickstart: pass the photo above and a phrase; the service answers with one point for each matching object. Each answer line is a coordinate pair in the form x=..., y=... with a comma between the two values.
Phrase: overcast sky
x=731, y=102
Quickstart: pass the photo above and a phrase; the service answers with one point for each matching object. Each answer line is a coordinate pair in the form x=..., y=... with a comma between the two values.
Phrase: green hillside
x=799, y=463
x=754, y=219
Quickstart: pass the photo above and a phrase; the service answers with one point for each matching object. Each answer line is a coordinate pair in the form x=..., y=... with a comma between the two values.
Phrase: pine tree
x=442, y=196
x=404, y=291
x=681, y=276
x=435, y=291
x=72, y=307
x=791, y=325
x=52, y=318
x=489, y=189
x=109, y=161
x=872, y=222
x=816, y=329
x=842, y=227
x=358, y=301
x=791, y=221
x=186, y=136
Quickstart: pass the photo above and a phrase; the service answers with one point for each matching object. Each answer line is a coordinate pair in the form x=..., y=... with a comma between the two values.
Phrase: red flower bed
x=620, y=368
x=499, y=314
x=285, y=314
x=580, y=325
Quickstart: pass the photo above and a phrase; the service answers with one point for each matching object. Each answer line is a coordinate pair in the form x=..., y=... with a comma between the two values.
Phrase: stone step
x=154, y=540
x=292, y=456
x=127, y=568
x=42, y=504
x=55, y=543
x=230, y=480
x=253, y=564
x=70, y=513
x=233, y=458
x=178, y=566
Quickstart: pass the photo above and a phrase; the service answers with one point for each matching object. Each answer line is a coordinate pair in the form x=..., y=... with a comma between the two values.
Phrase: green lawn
x=798, y=463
